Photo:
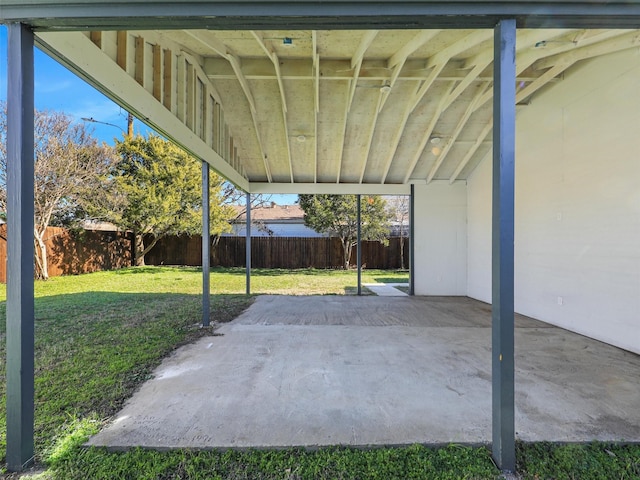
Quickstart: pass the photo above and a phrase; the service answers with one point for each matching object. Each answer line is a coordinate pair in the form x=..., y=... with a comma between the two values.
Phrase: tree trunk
x=401, y=252
x=346, y=251
x=138, y=250
x=42, y=266
x=215, y=240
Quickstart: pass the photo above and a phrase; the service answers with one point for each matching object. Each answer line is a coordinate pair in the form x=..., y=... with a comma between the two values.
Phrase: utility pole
x=129, y=125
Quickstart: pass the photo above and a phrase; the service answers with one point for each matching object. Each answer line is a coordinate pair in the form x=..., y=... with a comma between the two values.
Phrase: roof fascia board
x=314, y=14
x=329, y=188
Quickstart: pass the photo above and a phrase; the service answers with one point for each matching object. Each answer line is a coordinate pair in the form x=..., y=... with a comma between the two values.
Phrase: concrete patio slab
x=308, y=371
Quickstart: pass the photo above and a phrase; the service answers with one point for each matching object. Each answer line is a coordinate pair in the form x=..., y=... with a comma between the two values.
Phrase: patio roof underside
x=295, y=111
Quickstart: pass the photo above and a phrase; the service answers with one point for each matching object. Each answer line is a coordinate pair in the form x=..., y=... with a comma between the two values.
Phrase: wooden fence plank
x=274, y=252
x=72, y=253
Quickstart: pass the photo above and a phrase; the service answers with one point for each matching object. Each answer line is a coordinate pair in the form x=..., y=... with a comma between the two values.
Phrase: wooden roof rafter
x=221, y=49
x=371, y=133
x=587, y=49
x=428, y=132
x=440, y=60
x=398, y=135
x=356, y=63
x=422, y=71
x=457, y=131
x=471, y=152
x=271, y=54
x=398, y=59
x=536, y=57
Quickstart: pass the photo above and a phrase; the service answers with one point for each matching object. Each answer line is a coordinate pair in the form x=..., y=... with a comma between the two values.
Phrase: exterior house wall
x=440, y=239
x=577, y=233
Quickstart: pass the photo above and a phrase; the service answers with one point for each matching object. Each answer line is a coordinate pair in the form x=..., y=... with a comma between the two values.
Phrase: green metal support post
x=20, y=250
x=248, y=245
x=504, y=132
x=412, y=271
x=359, y=240
x=206, y=247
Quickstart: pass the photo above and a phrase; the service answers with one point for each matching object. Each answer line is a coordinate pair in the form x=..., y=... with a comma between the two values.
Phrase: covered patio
x=413, y=97
x=374, y=371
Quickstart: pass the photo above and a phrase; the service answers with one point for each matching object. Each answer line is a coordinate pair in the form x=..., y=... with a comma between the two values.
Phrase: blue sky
x=56, y=88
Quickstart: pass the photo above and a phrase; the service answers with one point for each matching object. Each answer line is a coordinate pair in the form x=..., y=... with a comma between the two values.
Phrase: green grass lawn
x=99, y=336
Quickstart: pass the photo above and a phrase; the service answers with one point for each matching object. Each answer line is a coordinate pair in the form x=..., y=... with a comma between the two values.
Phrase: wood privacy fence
x=275, y=252
x=71, y=253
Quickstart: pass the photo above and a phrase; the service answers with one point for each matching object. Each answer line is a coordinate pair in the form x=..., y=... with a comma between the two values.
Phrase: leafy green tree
x=69, y=162
x=154, y=190
x=398, y=207
x=336, y=216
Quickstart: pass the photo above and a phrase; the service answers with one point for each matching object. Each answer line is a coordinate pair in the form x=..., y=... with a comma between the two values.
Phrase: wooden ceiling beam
x=370, y=134
x=221, y=49
x=479, y=63
x=271, y=54
x=427, y=133
x=472, y=40
x=398, y=137
x=411, y=46
x=365, y=42
x=398, y=59
x=268, y=50
x=426, y=85
x=456, y=133
x=582, y=52
x=471, y=152
x=438, y=61
x=462, y=86
x=527, y=58
x=334, y=70
x=356, y=62
x=543, y=80
x=525, y=41
x=341, y=139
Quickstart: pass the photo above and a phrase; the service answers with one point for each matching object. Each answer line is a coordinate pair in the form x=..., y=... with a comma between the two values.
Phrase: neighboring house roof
x=273, y=213
x=100, y=226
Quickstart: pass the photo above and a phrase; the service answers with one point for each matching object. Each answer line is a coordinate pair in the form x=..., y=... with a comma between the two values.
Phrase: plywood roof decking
x=342, y=106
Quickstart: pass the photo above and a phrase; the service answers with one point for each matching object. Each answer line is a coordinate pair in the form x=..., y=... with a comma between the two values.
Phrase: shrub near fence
x=71, y=253
x=274, y=252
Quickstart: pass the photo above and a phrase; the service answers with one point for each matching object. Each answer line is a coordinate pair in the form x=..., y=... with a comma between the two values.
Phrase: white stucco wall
x=577, y=241
x=441, y=239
